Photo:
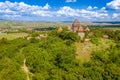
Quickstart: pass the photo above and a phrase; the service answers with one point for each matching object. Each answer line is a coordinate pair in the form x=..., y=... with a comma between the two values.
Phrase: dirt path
x=25, y=69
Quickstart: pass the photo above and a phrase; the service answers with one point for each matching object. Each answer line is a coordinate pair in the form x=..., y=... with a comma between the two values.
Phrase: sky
x=60, y=10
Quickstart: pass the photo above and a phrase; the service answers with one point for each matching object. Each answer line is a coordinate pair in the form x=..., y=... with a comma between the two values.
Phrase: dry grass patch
x=84, y=51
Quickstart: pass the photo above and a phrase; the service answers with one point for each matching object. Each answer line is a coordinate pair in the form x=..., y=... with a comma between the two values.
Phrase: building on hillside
x=69, y=28
x=77, y=27
x=60, y=29
x=86, y=28
x=105, y=36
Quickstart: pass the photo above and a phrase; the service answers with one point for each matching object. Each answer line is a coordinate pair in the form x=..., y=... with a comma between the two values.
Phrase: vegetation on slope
x=54, y=57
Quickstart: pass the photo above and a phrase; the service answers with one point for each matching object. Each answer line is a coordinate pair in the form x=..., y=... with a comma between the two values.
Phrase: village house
x=59, y=29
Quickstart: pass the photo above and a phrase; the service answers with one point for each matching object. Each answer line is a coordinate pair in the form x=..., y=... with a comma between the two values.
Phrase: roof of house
x=86, y=28
x=60, y=29
x=80, y=29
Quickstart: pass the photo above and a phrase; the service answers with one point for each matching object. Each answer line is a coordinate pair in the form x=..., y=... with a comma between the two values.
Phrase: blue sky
x=60, y=10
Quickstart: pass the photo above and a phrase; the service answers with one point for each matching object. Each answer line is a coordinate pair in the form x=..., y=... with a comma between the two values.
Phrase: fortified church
x=77, y=27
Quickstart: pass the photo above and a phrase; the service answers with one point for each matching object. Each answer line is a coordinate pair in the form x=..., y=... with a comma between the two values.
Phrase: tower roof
x=76, y=23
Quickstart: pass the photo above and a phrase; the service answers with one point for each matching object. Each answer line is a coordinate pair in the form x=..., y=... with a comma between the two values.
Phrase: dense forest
x=54, y=57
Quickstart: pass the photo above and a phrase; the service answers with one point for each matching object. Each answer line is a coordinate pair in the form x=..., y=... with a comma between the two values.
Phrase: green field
x=11, y=36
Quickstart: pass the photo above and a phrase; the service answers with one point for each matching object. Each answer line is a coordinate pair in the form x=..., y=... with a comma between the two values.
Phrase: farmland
x=11, y=36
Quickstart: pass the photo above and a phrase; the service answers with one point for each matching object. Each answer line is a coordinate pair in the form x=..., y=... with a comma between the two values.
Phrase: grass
x=84, y=50
x=11, y=36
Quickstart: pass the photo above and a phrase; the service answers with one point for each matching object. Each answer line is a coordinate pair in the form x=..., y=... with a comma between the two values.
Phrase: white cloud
x=71, y=1
x=12, y=16
x=92, y=8
x=95, y=7
x=115, y=15
x=89, y=8
x=11, y=9
x=23, y=11
x=67, y=11
x=115, y=4
x=47, y=6
x=42, y=13
x=82, y=13
x=8, y=11
x=103, y=9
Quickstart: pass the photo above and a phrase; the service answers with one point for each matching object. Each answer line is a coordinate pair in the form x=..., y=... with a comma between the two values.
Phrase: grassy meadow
x=84, y=50
x=11, y=36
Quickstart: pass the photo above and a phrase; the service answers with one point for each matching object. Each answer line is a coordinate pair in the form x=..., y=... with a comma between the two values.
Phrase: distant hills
x=111, y=22
x=69, y=22
x=98, y=22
